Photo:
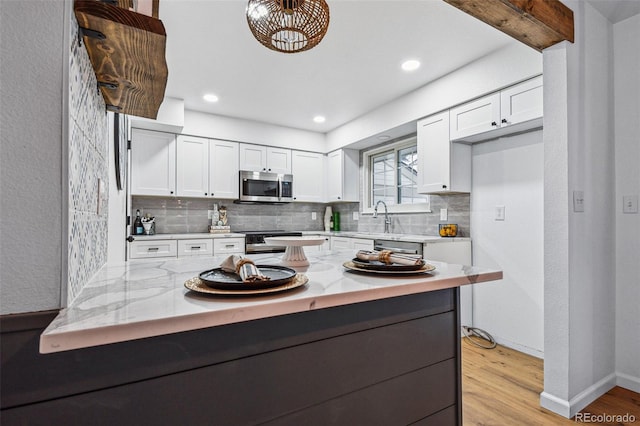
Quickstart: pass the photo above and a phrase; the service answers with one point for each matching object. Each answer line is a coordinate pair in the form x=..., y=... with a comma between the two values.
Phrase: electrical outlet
x=354, y=216
x=630, y=204
x=578, y=201
x=443, y=214
x=314, y=215
x=499, y=214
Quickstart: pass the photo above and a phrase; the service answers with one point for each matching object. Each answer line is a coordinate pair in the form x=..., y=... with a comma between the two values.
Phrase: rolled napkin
x=389, y=257
x=245, y=268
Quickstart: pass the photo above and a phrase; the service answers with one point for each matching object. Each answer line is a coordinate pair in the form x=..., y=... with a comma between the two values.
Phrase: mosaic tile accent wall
x=88, y=164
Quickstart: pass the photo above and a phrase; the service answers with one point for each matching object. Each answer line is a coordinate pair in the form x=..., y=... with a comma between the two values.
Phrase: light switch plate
x=578, y=201
x=499, y=214
x=314, y=215
x=443, y=214
x=629, y=204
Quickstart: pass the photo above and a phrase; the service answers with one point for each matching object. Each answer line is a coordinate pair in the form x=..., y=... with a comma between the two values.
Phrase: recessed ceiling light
x=210, y=97
x=319, y=119
x=411, y=65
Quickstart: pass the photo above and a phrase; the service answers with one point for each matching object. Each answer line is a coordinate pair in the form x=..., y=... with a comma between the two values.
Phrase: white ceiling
x=355, y=69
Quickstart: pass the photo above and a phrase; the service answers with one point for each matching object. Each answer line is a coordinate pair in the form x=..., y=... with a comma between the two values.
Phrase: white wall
x=31, y=192
x=509, y=172
x=626, y=36
x=579, y=334
x=234, y=129
x=495, y=71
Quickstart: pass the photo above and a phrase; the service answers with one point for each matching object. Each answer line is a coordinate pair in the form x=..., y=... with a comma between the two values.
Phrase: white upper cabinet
x=153, y=163
x=192, y=168
x=514, y=109
x=259, y=158
x=479, y=116
x=207, y=168
x=521, y=103
x=343, y=175
x=278, y=160
x=444, y=166
x=224, y=169
x=308, y=171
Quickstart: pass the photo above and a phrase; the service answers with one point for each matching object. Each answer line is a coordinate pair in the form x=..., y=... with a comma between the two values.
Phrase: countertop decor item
x=288, y=26
x=448, y=229
x=197, y=285
x=294, y=253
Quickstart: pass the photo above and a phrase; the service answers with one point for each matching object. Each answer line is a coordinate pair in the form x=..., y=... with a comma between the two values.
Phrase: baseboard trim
x=570, y=408
x=628, y=382
x=518, y=347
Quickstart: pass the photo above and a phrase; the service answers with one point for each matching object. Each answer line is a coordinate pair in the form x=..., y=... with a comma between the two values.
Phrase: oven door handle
x=396, y=250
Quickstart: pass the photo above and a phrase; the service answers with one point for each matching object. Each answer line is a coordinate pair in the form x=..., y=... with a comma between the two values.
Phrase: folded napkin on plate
x=244, y=267
x=388, y=257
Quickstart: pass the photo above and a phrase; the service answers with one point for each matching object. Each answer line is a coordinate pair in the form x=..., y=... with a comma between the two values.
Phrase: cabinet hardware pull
x=504, y=120
x=229, y=246
x=195, y=247
x=153, y=249
x=493, y=123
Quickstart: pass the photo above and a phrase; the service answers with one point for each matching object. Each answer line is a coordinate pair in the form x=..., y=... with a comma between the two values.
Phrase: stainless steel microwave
x=266, y=187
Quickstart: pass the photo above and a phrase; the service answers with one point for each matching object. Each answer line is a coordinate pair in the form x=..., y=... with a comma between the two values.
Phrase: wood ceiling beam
x=536, y=23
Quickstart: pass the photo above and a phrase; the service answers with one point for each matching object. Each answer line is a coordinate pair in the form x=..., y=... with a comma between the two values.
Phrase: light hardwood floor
x=502, y=387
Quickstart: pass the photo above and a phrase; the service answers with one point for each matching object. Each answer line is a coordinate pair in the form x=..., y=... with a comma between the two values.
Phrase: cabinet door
x=223, y=169
x=334, y=176
x=522, y=102
x=341, y=243
x=197, y=247
x=228, y=246
x=153, y=163
x=307, y=169
x=192, y=167
x=434, y=154
x=153, y=249
x=481, y=115
x=278, y=160
x=253, y=157
x=362, y=244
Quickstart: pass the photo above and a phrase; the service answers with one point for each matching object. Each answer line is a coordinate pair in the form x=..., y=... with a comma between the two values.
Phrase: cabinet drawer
x=153, y=249
x=200, y=247
x=228, y=245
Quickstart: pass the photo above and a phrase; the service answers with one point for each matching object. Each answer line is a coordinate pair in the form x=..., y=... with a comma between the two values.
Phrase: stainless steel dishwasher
x=398, y=246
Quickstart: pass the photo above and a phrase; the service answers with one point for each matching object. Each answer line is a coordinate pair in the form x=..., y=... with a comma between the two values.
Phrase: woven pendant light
x=288, y=26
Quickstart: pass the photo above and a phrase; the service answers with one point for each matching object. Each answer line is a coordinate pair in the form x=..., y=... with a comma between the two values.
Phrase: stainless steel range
x=254, y=241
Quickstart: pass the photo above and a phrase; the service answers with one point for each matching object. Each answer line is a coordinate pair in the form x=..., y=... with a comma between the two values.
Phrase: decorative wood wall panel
x=127, y=51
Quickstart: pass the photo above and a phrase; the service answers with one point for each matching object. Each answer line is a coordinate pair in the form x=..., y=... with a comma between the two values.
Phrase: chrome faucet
x=387, y=220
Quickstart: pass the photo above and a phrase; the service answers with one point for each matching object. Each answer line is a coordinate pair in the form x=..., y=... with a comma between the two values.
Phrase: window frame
x=394, y=146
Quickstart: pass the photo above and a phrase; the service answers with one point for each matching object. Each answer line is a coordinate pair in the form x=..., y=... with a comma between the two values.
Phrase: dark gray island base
x=393, y=361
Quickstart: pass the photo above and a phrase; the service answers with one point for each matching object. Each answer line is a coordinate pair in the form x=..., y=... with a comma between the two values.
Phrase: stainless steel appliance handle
x=279, y=189
x=396, y=250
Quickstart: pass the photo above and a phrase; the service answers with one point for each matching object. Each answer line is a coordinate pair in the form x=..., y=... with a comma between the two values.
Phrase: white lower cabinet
x=153, y=249
x=197, y=247
x=349, y=243
x=322, y=247
x=228, y=246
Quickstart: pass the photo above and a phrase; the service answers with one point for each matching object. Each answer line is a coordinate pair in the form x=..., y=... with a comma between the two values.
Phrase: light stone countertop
x=148, y=298
x=195, y=236
x=414, y=238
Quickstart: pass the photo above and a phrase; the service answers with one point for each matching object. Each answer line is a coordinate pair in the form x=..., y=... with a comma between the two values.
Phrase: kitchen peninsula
x=342, y=349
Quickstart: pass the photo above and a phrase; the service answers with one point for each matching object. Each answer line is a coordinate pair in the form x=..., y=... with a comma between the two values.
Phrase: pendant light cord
x=470, y=332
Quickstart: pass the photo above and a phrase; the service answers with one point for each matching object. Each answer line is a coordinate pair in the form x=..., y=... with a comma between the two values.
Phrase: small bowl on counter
x=448, y=230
